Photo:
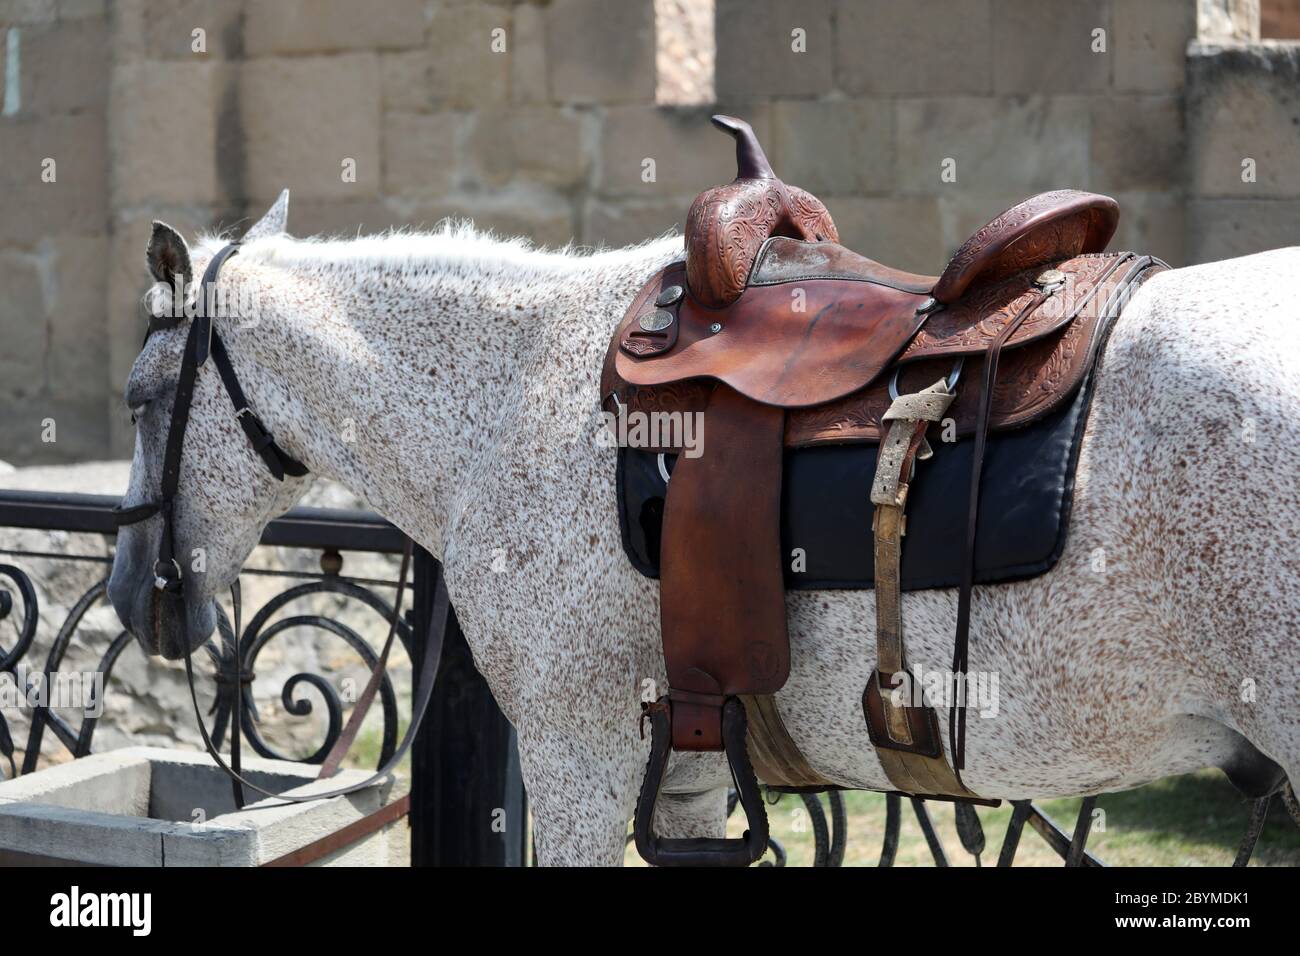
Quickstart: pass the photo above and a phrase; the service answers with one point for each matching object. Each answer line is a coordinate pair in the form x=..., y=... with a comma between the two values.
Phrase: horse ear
x=274, y=222
x=167, y=255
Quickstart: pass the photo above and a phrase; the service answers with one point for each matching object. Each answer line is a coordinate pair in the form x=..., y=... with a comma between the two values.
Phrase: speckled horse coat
x=451, y=379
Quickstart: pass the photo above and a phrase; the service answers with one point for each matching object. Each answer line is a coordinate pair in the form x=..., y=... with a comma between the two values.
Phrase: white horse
x=451, y=379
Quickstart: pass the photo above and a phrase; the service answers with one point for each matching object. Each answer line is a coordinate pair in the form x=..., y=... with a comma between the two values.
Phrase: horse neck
x=394, y=382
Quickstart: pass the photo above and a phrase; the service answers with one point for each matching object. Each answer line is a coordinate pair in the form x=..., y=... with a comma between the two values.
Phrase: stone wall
x=916, y=120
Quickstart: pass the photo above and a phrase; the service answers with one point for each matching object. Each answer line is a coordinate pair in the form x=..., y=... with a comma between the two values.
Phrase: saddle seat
x=739, y=314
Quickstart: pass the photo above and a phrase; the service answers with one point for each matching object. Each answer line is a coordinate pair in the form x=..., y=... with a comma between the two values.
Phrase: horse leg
x=580, y=796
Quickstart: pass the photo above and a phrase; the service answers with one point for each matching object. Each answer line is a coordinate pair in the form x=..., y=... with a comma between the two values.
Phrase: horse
x=450, y=378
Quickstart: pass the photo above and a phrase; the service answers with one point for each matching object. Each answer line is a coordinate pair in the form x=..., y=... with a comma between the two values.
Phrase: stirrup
x=700, y=851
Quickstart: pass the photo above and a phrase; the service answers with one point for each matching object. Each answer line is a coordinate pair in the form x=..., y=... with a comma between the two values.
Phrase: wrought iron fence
x=464, y=759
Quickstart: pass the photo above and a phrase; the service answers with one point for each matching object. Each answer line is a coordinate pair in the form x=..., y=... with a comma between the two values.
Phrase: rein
x=202, y=342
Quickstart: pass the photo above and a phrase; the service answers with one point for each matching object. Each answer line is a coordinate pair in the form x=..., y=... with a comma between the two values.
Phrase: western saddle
x=781, y=338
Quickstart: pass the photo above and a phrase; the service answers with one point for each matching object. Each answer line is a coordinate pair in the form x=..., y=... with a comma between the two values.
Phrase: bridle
x=202, y=342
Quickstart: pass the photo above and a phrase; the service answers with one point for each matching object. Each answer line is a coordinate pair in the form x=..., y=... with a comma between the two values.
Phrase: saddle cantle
x=779, y=337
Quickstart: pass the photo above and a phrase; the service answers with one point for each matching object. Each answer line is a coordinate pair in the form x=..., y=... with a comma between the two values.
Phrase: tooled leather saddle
x=776, y=337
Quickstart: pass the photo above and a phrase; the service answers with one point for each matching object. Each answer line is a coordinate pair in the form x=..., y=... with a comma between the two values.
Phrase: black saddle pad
x=826, y=511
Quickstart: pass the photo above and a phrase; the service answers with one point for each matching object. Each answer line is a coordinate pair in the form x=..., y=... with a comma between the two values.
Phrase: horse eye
x=137, y=411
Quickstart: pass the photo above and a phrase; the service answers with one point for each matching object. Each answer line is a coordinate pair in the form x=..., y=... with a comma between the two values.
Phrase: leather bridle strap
x=424, y=683
x=201, y=342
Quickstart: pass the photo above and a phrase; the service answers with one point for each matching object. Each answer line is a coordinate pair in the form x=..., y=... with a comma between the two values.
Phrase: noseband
x=203, y=341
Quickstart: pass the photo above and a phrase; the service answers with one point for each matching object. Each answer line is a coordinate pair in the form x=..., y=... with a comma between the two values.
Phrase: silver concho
x=656, y=321
x=1049, y=278
x=669, y=295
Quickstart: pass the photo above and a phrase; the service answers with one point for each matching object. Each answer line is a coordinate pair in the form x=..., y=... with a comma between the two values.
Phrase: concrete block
x=1137, y=143
x=76, y=9
x=164, y=130
x=303, y=118
x=64, y=66
x=344, y=218
x=1005, y=144
x=1046, y=46
x=1149, y=41
x=406, y=79
x=168, y=28
x=843, y=147
x=23, y=312
x=27, y=11
x=599, y=52
x=914, y=46
x=626, y=223
x=150, y=807
x=1243, y=103
x=78, y=323
x=904, y=233
x=688, y=153
x=1152, y=223
x=467, y=72
x=324, y=26
x=757, y=54
x=542, y=217
x=528, y=74
x=1226, y=228
x=531, y=144
x=420, y=153
x=76, y=201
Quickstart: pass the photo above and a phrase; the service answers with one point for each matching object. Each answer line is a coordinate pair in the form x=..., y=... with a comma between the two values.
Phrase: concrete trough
x=145, y=806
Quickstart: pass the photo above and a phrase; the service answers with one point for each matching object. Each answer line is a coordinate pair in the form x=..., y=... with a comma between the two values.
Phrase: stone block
x=756, y=44
x=904, y=233
x=77, y=9
x=914, y=46
x=78, y=323
x=1243, y=103
x=325, y=26
x=600, y=52
x=1149, y=41
x=999, y=144
x=304, y=118
x=843, y=147
x=344, y=218
x=420, y=153
x=64, y=66
x=467, y=72
x=27, y=11
x=531, y=144
x=1226, y=228
x=164, y=130
x=689, y=154
x=528, y=83
x=1137, y=143
x=1046, y=46
x=545, y=218
x=169, y=29
x=626, y=223
x=23, y=311
x=76, y=202
x=1152, y=223
x=406, y=79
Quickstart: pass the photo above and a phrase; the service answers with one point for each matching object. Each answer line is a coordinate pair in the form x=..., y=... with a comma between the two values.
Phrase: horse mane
x=454, y=246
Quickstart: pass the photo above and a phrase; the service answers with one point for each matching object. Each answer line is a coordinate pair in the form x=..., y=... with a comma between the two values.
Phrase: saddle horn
x=751, y=161
x=727, y=225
